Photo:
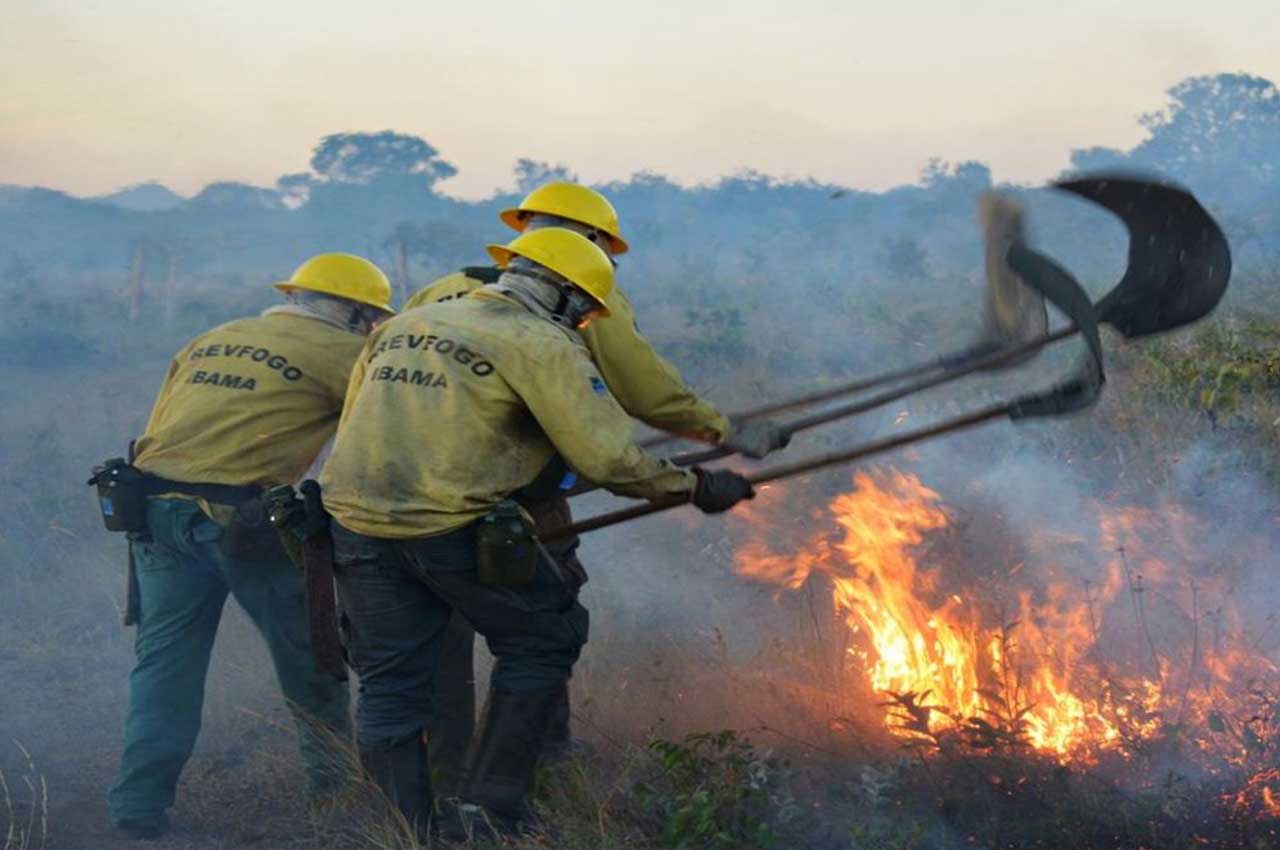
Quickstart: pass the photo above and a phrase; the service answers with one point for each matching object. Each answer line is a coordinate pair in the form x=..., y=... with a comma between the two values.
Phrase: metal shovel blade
x=1083, y=387
x=1179, y=259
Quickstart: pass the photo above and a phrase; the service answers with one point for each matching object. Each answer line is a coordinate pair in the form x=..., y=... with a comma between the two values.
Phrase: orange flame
x=1260, y=796
x=948, y=658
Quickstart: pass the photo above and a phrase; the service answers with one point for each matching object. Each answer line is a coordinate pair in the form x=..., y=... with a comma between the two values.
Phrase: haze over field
x=94, y=96
x=799, y=185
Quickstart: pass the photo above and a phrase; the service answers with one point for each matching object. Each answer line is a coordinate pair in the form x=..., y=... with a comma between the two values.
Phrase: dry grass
x=672, y=650
x=25, y=804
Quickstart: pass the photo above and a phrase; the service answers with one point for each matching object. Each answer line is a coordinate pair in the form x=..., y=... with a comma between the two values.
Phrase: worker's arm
x=331, y=355
x=354, y=382
x=647, y=386
x=449, y=287
x=565, y=393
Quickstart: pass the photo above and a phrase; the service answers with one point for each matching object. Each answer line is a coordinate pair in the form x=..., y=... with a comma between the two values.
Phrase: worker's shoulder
x=235, y=329
x=308, y=329
x=481, y=274
x=453, y=286
x=240, y=325
x=442, y=289
x=496, y=315
x=618, y=329
x=302, y=339
x=617, y=302
x=496, y=324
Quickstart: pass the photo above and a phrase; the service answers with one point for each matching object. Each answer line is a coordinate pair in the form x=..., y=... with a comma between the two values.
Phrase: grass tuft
x=27, y=819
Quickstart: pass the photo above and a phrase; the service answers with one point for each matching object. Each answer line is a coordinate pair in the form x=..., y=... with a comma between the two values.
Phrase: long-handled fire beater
x=1178, y=268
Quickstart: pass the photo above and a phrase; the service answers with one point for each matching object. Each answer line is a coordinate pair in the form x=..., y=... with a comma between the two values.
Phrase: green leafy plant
x=710, y=790
x=1225, y=365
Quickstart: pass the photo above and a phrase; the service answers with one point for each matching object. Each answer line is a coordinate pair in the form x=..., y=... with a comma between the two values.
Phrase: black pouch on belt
x=288, y=514
x=553, y=481
x=250, y=534
x=122, y=495
x=506, y=546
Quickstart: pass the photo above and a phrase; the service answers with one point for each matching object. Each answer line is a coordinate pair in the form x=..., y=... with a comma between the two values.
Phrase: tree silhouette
x=1227, y=122
x=363, y=158
x=969, y=175
x=1218, y=132
x=420, y=251
x=1096, y=159
x=294, y=189
x=230, y=194
x=530, y=174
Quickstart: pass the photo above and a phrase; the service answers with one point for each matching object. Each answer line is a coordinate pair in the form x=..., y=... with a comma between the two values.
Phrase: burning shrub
x=1118, y=703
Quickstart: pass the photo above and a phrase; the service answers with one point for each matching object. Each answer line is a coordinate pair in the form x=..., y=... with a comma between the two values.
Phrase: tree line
x=376, y=194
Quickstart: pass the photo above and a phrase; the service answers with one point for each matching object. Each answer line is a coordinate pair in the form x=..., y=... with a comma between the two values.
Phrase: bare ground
x=60, y=731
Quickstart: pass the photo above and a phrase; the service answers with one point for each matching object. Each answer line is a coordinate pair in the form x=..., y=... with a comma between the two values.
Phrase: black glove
x=755, y=439
x=720, y=489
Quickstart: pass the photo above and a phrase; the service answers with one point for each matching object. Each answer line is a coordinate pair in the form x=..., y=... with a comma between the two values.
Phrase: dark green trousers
x=183, y=580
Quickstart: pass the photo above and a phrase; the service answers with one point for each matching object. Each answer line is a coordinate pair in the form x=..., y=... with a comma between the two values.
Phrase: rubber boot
x=558, y=743
x=401, y=773
x=494, y=798
x=453, y=726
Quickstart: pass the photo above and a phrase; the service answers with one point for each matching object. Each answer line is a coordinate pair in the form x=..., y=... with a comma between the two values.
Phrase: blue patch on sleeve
x=570, y=478
x=597, y=386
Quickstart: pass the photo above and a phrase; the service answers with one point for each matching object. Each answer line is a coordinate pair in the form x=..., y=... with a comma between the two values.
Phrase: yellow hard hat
x=344, y=275
x=571, y=201
x=571, y=255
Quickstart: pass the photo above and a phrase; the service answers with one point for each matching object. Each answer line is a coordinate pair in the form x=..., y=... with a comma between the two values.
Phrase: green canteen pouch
x=506, y=546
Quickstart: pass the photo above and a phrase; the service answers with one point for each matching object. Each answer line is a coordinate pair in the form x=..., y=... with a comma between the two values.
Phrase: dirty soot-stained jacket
x=647, y=386
x=454, y=406
x=250, y=402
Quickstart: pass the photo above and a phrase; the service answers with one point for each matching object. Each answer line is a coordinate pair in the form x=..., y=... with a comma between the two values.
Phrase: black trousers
x=398, y=597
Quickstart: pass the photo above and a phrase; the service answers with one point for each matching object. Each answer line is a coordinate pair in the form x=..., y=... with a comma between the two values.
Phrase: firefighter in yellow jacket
x=644, y=384
x=452, y=409
x=245, y=406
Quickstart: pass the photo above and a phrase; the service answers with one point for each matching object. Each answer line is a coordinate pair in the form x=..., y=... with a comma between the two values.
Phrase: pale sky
x=97, y=94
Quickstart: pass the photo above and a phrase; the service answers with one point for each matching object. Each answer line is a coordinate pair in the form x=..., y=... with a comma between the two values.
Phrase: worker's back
x=250, y=402
x=647, y=386
x=454, y=406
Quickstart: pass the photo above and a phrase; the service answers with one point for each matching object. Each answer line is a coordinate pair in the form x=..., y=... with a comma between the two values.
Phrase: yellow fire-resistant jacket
x=454, y=406
x=648, y=387
x=250, y=402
